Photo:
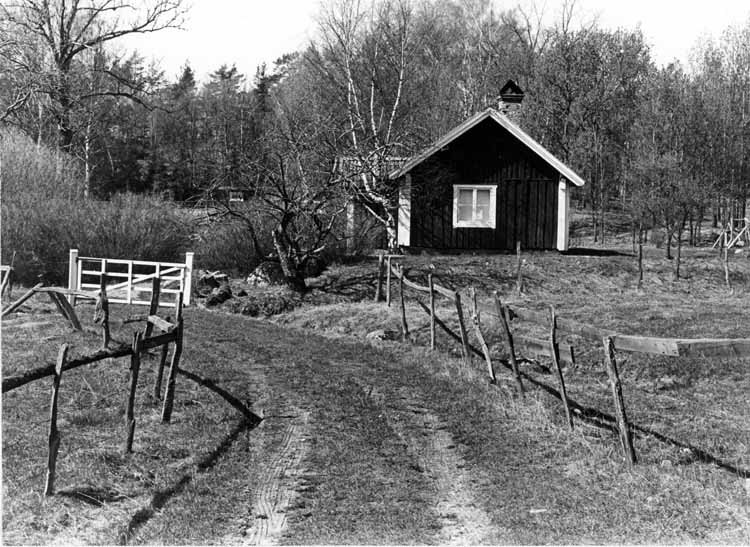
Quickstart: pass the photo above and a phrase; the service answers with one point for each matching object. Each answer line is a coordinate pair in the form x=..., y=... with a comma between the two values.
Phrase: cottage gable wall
x=487, y=154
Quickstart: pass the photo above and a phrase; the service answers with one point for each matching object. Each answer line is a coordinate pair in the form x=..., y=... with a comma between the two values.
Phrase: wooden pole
x=17, y=304
x=69, y=313
x=72, y=274
x=5, y=283
x=640, y=260
x=626, y=440
x=153, y=307
x=388, y=283
x=102, y=307
x=188, y=288
x=166, y=413
x=502, y=311
x=160, y=369
x=8, y=281
x=554, y=352
x=404, y=326
x=725, y=262
x=478, y=331
x=462, y=329
x=53, y=296
x=135, y=367
x=519, y=275
x=432, y=311
x=379, y=284
x=54, y=434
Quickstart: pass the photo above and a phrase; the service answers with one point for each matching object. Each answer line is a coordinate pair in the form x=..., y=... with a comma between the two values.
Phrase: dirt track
x=285, y=490
x=359, y=444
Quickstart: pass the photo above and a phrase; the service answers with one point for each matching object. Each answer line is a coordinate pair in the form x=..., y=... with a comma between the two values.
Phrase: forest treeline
x=381, y=79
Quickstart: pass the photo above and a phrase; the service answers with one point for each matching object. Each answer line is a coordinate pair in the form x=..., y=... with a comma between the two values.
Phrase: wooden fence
x=553, y=347
x=170, y=332
x=85, y=273
x=6, y=277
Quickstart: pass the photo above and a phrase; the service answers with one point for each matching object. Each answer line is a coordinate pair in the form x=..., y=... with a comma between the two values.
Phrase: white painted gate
x=130, y=281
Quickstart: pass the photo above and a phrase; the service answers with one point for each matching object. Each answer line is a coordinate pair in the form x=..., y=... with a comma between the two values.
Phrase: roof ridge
x=506, y=123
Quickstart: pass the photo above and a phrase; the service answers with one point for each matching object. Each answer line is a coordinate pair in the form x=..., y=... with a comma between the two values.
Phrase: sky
x=249, y=32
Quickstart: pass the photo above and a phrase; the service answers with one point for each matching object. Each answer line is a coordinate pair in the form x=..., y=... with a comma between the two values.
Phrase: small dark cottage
x=483, y=186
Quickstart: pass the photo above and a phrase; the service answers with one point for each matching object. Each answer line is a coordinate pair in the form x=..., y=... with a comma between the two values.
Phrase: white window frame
x=488, y=223
x=236, y=195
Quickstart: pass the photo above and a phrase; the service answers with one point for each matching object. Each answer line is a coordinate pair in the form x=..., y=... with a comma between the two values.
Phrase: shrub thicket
x=227, y=246
x=44, y=215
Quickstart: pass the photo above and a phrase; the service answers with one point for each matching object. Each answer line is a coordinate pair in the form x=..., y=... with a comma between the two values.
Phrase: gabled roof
x=512, y=128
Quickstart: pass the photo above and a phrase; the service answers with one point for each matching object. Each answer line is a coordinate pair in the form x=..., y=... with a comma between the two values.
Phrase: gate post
x=188, y=289
x=72, y=274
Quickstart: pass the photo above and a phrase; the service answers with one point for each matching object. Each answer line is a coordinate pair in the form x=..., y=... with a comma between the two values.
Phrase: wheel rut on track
x=462, y=518
x=277, y=485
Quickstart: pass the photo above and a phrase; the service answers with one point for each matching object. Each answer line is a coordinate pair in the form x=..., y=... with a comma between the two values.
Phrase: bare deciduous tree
x=47, y=38
x=365, y=52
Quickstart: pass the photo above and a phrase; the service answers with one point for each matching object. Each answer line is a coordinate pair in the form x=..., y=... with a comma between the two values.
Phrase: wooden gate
x=129, y=281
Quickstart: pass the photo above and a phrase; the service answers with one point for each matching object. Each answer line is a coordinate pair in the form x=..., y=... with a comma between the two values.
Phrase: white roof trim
x=516, y=131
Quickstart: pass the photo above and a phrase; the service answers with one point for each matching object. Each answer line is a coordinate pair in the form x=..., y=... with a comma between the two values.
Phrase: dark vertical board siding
x=522, y=189
x=549, y=198
x=510, y=225
x=541, y=213
x=551, y=242
x=507, y=223
x=533, y=215
x=552, y=217
x=487, y=154
x=445, y=227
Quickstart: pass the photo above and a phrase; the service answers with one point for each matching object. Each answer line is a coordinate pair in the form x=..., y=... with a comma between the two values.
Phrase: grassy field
x=386, y=442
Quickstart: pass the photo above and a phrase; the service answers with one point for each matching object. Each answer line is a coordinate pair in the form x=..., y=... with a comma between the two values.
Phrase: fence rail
x=553, y=348
x=172, y=333
x=674, y=347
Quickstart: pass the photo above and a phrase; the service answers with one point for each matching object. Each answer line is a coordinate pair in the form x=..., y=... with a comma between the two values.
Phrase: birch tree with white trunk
x=365, y=50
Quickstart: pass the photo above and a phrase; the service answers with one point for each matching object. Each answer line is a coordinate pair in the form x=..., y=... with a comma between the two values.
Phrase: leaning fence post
x=135, y=367
x=166, y=413
x=6, y=279
x=54, y=434
x=379, y=284
x=504, y=314
x=160, y=369
x=388, y=283
x=24, y=298
x=54, y=297
x=154, y=304
x=102, y=307
x=68, y=312
x=478, y=331
x=404, y=326
x=554, y=351
x=72, y=275
x=626, y=441
x=462, y=328
x=432, y=310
